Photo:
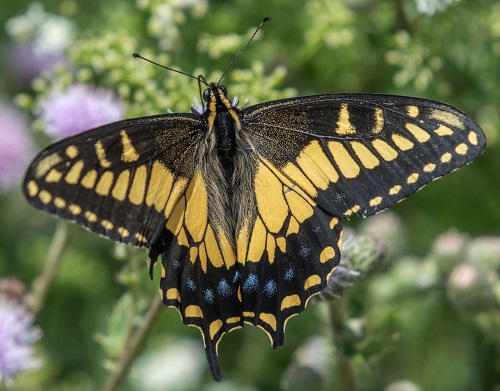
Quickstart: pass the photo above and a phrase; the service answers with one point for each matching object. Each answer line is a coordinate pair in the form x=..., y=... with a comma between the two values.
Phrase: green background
x=310, y=47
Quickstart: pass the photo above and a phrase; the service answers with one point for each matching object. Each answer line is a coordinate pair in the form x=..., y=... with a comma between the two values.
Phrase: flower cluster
x=16, y=148
x=79, y=108
x=17, y=335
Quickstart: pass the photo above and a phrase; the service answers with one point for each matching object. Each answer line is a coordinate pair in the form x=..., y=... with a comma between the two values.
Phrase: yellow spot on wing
x=72, y=151
x=91, y=217
x=412, y=111
x=327, y=254
x=257, y=242
x=375, y=201
x=420, y=134
x=367, y=158
x=173, y=294
x=316, y=166
x=269, y=319
x=293, y=226
x=45, y=196
x=312, y=281
x=472, y=138
x=177, y=190
x=32, y=188
x=101, y=155
x=395, y=190
x=446, y=157
x=196, y=214
x=412, y=178
x=290, y=301
x=281, y=242
x=401, y=142
x=344, y=125
x=73, y=175
x=443, y=131
x=300, y=208
x=46, y=164
x=129, y=154
x=447, y=118
x=89, y=179
x=75, y=209
x=174, y=223
x=429, y=167
x=193, y=311
x=270, y=200
x=215, y=326
x=292, y=171
x=160, y=184
x=140, y=238
x=461, y=149
x=107, y=224
x=333, y=222
x=53, y=176
x=379, y=120
x=138, y=187
x=103, y=186
x=385, y=150
x=270, y=247
x=121, y=186
x=124, y=233
x=59, y=202
x=348, y=167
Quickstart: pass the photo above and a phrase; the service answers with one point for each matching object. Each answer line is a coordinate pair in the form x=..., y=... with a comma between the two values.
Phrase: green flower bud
x=471, y=287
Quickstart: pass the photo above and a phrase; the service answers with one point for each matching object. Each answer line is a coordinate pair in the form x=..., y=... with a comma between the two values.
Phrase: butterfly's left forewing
x=120, y=180
x=357, y=154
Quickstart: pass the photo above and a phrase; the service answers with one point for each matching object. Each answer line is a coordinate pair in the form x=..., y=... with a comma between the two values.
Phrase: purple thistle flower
x=16, y=147
x=17, y=335
x=80, y=107
x=25, y=63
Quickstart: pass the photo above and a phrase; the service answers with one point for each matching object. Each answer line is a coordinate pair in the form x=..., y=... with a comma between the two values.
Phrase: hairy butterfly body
x=244, y=206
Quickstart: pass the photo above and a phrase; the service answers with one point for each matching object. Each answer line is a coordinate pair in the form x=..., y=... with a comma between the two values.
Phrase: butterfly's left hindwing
x=120, y=180
x=286, y=255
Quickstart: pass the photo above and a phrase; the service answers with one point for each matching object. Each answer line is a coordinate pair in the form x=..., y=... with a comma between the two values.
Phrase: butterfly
x=244, y=206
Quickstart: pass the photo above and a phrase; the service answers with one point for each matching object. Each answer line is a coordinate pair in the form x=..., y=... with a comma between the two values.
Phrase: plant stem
x=136, y=343
x=344, y=368
x=36, y=297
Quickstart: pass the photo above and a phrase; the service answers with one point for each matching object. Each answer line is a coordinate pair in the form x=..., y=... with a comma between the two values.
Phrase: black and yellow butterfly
x=244, y=206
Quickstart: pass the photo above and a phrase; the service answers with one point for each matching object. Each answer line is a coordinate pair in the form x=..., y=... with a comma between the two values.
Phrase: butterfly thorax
x=227, y=164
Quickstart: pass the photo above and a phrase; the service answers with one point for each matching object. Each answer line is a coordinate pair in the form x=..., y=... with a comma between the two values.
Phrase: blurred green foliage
x=402, y=320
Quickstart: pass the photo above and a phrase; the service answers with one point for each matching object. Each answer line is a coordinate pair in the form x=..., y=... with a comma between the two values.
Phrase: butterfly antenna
x=137, y=55
x=266, y=19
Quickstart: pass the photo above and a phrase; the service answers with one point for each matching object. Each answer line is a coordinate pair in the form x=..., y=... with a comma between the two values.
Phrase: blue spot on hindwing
x=289, y=274
x=209, y=296
x=251, y=284
x=190, y=284
x=304, y=251
x=270, y=288
x=224, y=289
x=236, y=277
